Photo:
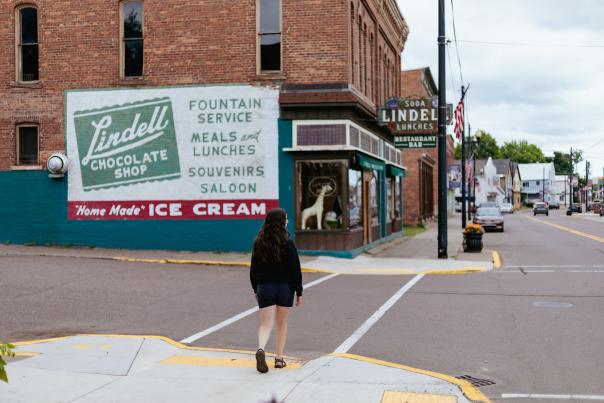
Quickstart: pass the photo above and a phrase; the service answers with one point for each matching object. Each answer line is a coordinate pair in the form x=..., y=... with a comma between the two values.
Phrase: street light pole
x=442, y=135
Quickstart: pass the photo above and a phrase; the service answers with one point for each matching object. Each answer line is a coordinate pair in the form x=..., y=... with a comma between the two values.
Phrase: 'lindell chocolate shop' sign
x=412, y=116
x=181, y=153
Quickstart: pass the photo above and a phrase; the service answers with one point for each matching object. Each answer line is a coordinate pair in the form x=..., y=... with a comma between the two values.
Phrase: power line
x=456, y=46
x=453, y=84
x=526, y=44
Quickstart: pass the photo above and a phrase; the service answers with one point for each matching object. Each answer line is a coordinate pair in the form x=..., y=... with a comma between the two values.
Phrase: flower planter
x=472, y=242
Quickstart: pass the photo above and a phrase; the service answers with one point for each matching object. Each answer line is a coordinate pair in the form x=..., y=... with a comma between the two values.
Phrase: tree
x=487, y=147
x=562, y=161
x=458, y=151
x=522, y=152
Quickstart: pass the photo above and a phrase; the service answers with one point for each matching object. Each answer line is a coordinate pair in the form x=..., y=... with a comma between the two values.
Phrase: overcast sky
x=549, y=94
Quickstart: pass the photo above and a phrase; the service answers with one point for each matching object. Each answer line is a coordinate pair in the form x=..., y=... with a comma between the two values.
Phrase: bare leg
x=282, y=313
x=267, y=319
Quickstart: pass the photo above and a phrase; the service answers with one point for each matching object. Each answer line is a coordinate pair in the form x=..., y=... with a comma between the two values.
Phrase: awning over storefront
x=396, y=171
x=371, y=163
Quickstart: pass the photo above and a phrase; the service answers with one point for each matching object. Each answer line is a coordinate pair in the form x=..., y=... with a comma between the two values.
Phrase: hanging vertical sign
x=413, y=121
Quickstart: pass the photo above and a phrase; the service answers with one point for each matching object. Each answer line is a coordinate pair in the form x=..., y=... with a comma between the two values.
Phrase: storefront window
x=390, y=194
x=355, y=199
x=375, y=201
x=398, y=198
x=320, y=194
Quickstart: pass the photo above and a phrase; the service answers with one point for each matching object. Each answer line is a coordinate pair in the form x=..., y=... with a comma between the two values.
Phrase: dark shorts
x=280, y=294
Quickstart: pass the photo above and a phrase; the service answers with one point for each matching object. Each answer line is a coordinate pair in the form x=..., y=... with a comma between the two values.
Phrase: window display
x=320, y=194
x=355, y=199
x=398, y=198
x=390, y=197
x=375, y=198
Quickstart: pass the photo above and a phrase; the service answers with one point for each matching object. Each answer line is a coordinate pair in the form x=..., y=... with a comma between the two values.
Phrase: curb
x=470, y=391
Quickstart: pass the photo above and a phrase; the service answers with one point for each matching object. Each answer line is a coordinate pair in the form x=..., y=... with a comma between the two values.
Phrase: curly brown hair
x=270, y=244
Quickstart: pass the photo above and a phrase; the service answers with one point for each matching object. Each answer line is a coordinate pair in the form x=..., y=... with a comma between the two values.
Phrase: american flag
x=459, y=123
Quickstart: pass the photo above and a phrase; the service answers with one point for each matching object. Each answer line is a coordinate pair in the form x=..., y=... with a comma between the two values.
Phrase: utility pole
x=586, y=180
x=442, y=135
x=543, y=186
x=571, y=178
x=463, y=163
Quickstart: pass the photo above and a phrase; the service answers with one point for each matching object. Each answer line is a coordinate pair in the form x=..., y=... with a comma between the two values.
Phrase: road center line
x=553, y=397
x=360, y=332
x=244, y=314
x=572, y=231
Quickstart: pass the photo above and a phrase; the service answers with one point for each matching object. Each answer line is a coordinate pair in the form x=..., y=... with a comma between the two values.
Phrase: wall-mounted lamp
x=57, y=165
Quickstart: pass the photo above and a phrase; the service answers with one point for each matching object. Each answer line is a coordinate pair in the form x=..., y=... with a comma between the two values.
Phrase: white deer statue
x=317, y=208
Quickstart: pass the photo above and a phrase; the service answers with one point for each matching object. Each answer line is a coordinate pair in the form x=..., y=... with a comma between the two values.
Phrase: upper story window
x=27, y=44
x=269, y=35
x=132, y=38
x=27, y=145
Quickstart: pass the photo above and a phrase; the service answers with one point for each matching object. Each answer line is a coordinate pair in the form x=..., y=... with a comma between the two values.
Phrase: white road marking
x=360, y=332
x=244, y=314
x=547, y=266
x=556, y=397
x=552, y=271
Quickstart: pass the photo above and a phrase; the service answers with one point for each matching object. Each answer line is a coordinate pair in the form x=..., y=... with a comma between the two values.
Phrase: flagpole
x=460, y=117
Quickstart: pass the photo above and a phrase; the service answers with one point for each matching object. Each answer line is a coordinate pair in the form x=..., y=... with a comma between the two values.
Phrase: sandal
x=280, y=363
x=261, y=361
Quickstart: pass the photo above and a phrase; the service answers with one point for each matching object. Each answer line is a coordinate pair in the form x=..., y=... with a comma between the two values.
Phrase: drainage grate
x=477, y=382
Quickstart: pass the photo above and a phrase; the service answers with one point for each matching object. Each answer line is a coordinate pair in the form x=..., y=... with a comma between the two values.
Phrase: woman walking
x=275, y=275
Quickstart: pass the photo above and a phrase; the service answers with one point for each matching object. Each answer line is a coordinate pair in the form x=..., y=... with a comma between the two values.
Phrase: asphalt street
x=533, y=326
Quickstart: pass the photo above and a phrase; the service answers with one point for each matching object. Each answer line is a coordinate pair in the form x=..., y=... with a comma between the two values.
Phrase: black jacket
x=286, y=271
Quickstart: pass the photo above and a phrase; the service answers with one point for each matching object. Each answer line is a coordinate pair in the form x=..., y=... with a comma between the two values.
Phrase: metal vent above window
x=365, y=142
x=321, y=135
x=375, y=147
x=354, y=136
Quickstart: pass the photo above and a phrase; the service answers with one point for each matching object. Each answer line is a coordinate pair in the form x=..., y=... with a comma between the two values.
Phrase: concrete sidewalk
x=111, y=368
x=406, y=255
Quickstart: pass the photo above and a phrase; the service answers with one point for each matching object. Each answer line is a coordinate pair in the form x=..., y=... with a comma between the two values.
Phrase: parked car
x=489, y=217
x=488, y=204
x=507, y=208
x=540, y=208
x=575, y=208
x=554, y=204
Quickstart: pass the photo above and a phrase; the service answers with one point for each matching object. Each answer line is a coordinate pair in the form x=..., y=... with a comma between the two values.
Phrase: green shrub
x=6, y=350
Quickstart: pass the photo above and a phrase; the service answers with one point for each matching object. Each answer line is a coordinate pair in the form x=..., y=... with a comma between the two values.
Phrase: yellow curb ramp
x=172, y=342
x=466, y=387
x=391, y=396
x=222, y=362
x=496, y=259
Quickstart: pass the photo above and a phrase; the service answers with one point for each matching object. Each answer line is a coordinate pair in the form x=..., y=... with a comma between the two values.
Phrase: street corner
x=120, y=368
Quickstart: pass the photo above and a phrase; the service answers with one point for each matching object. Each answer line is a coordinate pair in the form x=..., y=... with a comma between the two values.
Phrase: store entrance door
x=366, y=207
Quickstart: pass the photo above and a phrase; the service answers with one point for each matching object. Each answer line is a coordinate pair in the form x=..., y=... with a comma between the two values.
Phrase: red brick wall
x=186, y=42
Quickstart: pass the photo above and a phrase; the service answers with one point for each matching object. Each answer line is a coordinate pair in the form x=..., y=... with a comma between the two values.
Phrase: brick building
x=421, y=183
x=324, y=73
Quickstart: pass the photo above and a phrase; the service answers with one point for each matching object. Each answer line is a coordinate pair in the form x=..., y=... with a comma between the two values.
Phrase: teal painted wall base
x=33, y=210
x=351, y=254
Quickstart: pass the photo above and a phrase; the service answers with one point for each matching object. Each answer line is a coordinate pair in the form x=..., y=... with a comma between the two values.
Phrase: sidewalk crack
x=305, y=378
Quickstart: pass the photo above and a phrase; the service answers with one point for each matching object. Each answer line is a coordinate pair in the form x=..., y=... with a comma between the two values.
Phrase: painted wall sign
x=415, y=141
x=172, y=153
x=412, y=115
